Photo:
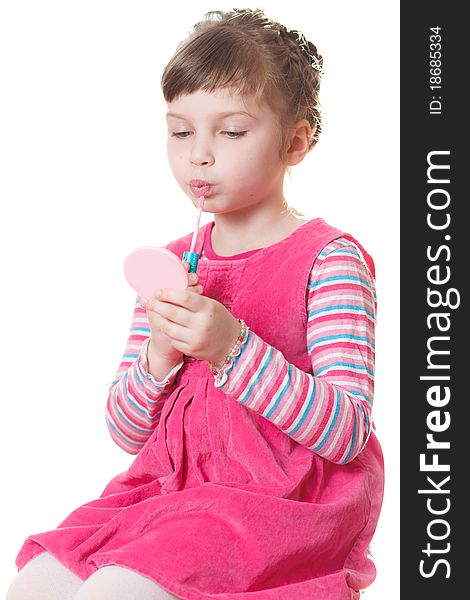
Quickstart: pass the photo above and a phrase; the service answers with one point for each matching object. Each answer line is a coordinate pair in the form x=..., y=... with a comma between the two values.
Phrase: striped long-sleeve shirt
x=329, y=412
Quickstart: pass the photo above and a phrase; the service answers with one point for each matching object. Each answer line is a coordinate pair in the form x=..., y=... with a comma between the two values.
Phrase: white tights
x=45, y=578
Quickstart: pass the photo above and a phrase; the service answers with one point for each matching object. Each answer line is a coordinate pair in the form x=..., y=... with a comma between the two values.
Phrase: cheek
x=175, y=158
x=250, y=158
x=259, y=162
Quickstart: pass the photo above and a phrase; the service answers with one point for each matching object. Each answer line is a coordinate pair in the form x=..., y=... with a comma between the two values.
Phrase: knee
x=13, y=592
x=43, y=577
x=113, y=582
x=23, y=585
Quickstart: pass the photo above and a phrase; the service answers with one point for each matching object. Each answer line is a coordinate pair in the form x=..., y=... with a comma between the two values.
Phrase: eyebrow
x=220, y=115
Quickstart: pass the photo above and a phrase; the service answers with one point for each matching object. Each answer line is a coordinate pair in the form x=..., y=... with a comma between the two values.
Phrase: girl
x=247, y=397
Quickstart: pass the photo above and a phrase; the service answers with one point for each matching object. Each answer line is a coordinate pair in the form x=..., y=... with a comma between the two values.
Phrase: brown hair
x=245, y=50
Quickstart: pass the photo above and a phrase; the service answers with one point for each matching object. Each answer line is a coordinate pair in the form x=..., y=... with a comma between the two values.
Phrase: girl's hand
x=162, y=346
x=194, y=325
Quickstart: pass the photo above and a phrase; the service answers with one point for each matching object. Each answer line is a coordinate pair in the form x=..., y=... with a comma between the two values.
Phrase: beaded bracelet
x=220, y=369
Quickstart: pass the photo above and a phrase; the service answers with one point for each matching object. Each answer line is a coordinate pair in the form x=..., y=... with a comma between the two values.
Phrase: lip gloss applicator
x=149, y=268
x=190, y=256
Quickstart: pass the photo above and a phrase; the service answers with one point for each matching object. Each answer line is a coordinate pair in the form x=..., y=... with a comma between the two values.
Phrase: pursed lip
x=200, y=187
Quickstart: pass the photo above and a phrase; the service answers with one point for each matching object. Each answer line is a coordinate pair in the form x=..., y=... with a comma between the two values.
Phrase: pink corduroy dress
x=220, y=503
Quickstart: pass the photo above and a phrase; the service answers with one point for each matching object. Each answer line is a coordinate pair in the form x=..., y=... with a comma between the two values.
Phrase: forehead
x=221, y=102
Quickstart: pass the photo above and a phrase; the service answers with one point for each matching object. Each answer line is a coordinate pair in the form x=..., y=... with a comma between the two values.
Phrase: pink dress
x=220, y=503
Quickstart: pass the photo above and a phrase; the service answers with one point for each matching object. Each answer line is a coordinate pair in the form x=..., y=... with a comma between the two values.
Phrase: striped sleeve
x=135, y=398
x=329, y=412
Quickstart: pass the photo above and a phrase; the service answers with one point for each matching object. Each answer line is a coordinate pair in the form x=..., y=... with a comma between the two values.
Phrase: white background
x=85, y=180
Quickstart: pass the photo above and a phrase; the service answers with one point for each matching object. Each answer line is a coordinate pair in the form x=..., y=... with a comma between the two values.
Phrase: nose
x=201, y=153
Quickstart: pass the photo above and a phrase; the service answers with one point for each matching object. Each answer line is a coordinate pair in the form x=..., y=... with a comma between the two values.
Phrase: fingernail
x=192, y=276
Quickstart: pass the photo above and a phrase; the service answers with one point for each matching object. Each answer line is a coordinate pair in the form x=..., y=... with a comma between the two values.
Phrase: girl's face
x=229, y=142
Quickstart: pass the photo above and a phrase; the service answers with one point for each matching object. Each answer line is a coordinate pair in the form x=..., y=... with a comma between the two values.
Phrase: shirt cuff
x=144, y=367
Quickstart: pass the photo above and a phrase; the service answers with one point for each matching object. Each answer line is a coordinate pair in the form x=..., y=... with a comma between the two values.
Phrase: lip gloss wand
x=193, y=257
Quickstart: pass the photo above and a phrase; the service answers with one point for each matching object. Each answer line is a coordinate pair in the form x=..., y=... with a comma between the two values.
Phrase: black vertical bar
x=435, y=267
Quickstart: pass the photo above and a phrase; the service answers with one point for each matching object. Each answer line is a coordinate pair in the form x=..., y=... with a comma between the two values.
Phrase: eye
x=234, y=134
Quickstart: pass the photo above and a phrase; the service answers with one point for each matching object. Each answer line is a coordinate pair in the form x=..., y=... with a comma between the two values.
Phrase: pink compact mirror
x=148, y=269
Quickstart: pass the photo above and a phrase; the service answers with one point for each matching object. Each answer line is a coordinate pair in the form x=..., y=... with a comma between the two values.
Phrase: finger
x=174, y=331
x=197, y=289
x=193, y=279
x=183, y=298
x=172, y=312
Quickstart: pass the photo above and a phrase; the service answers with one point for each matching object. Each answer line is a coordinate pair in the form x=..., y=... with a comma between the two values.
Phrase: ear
x=298, y=140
